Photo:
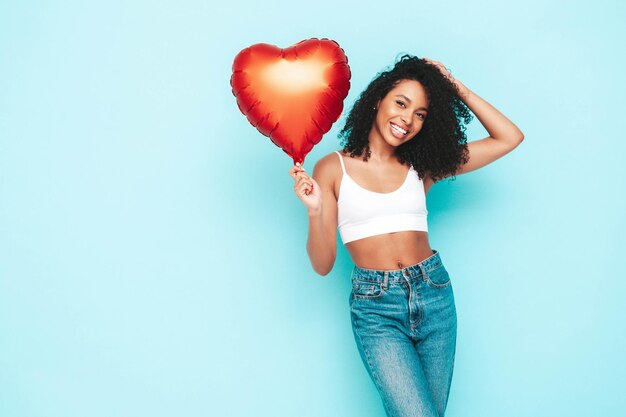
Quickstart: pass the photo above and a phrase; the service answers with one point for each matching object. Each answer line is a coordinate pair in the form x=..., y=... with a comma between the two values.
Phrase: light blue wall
x=152, y=253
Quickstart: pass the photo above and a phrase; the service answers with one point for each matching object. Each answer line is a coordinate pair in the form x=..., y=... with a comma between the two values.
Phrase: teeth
x=398, y=129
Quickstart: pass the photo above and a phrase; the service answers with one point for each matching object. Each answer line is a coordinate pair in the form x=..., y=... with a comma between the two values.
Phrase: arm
x=318, y=196
x=503, y=137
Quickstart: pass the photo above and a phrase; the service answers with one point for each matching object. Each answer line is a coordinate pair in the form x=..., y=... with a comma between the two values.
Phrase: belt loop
x=424, y=273
x=386, y=281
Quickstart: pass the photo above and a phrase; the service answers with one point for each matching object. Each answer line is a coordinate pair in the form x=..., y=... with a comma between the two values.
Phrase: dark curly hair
x=440, y=147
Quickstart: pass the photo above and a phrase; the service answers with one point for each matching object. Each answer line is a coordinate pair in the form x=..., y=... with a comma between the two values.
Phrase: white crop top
x=363, y=213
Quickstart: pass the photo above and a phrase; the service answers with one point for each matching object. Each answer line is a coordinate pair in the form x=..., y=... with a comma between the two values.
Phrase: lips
x=397, y=131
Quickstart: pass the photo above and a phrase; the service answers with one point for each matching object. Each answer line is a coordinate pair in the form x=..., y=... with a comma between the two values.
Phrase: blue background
x=152, y=253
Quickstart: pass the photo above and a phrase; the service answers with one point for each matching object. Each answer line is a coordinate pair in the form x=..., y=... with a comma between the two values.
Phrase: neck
x=380, y=150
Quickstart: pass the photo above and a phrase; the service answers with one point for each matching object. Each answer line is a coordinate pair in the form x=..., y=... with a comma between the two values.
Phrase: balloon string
x=299, y=165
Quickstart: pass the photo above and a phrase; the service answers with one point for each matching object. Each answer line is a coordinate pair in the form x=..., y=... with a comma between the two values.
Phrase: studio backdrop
x=152, y=251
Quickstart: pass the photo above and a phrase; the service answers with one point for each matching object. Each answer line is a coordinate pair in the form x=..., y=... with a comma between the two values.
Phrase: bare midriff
x=390, y=250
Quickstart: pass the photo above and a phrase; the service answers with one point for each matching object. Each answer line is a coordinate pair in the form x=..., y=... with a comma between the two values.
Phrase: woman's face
x=401, y=113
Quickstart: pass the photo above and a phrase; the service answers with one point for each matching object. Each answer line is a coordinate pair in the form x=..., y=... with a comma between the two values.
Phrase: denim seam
x=383, y=286
x=420, y=306
x=370, y=297
x=434, y=284
x=424, y=273
x=377, y=382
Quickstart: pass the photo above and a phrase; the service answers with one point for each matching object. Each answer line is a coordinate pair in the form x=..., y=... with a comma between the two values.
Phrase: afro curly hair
x=440, y=147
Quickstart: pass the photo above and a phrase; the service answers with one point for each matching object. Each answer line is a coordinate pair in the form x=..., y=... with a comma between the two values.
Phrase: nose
x=406, y=117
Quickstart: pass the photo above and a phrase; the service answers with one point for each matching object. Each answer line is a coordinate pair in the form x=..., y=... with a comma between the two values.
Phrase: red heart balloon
x=292, y=95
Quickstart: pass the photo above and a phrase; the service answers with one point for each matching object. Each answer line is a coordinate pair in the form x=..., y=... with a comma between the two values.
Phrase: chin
x=395, y=142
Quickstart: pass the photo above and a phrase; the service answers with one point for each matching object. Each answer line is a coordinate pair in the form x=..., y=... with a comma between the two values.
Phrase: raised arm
x=503, y=137
x=317, y=194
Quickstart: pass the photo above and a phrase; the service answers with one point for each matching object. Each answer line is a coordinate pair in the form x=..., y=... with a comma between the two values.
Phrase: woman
x=404, y=133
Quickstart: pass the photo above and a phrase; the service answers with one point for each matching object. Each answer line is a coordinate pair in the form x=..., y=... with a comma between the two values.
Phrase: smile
x=398, y=131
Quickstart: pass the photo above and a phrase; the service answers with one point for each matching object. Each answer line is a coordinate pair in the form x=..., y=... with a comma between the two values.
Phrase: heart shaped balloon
x=292, y=95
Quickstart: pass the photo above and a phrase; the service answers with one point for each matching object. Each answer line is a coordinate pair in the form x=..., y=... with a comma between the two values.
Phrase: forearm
x=320, y=248
x=497, y=124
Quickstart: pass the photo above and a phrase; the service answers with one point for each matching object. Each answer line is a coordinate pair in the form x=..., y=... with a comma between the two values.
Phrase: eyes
x=402, y=104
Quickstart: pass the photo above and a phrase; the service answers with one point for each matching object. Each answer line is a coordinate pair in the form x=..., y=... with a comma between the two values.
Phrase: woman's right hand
x=307, y=189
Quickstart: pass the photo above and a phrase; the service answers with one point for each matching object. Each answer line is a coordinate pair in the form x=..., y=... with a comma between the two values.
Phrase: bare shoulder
x=328, y=173
x=328, y=167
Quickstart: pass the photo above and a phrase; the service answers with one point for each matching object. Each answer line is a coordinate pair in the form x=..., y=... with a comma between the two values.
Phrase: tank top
x=362, y=213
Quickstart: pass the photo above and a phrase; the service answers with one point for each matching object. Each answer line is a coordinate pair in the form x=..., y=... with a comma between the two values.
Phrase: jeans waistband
x=422, y=268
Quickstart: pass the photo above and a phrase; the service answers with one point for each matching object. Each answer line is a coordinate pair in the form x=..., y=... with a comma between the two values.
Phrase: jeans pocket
x=367, y=289
x=438, y=277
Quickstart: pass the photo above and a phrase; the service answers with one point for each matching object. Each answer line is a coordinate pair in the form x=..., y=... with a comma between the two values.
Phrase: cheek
x=387, y=113
x=380, y=119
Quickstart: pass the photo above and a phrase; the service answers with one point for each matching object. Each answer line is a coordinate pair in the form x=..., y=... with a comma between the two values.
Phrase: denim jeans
x=404, y=324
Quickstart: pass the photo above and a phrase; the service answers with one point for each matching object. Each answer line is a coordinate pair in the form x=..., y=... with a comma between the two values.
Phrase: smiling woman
x=402, y=116
x=404, y=133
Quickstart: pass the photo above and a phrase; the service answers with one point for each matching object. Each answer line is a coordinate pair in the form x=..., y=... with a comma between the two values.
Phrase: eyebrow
x=409, y=100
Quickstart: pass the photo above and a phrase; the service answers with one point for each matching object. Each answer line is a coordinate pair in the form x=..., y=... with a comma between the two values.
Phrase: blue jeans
x=404, y=324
